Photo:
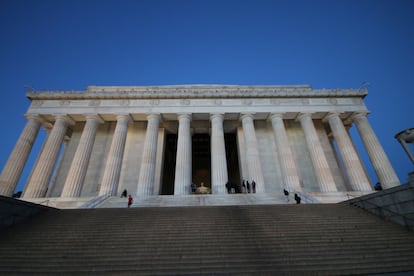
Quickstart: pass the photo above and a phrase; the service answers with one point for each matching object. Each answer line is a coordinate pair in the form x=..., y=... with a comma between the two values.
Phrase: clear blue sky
x=70, y=44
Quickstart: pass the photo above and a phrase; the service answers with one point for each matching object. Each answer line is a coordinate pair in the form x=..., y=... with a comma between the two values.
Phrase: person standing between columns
x=383, y=168
x=80, y=161
x=320, y=164
x=356, y=175
x=252, y=151
x=42, y=171
x=286, y=158
x=219, y=174
x=149, y=156
x=183, y=166
x=113, y=165
x=15, y=164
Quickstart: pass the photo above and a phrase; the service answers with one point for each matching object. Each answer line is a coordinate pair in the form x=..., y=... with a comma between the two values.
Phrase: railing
x=13, y=210
x=307, y=198
x=400, y=218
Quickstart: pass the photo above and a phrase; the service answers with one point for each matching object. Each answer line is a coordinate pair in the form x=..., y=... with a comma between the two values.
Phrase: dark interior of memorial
x=201, y=161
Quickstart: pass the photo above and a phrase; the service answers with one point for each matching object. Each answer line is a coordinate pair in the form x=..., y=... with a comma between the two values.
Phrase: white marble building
x=157, y=140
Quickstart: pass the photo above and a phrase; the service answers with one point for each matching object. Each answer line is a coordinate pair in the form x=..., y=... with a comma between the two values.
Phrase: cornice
x=195, y=91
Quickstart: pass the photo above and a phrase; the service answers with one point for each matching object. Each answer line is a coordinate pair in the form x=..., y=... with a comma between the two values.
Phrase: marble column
x=17, y=159
x=183, y=167
x=356, y=175
x=287, y=160
x=149, y=156
x=383, y=168
x=42, y=172
x=80, y=161
x=320, y=164
x=252, y=153
x=110, y=179
x=219, y=175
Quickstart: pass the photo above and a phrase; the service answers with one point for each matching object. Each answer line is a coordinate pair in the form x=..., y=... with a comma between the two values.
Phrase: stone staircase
x=311, y=239
x=196, y=200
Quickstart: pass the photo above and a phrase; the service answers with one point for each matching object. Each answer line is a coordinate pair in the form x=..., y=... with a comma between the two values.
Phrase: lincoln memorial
x=156, y=141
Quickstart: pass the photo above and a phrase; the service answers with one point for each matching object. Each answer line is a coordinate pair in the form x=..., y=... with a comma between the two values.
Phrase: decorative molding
x=94, y=103
x=195, y=91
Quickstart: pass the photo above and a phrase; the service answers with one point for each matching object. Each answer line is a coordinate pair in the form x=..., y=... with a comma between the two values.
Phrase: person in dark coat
x=124, y=193
x=297, y=198
x=254, y=186
x=248, y=186
x=286, y=193
x=228, y=187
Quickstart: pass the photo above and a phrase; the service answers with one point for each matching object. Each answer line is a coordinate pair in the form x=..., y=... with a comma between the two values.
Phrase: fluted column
x=287, y=160
x=149, y=156
x=183, y=168
x=356, y=175
x=113, y=164
x=320, y=164
x=219, y=175
x=39, y=181
x=252, y=152
x=383, y=168
x=17, y=159
x=79, y=166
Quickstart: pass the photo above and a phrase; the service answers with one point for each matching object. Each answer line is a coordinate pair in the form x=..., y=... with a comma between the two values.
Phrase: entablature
x=196, y=92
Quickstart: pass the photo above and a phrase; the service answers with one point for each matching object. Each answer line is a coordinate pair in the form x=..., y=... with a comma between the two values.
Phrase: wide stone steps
x=330, y=239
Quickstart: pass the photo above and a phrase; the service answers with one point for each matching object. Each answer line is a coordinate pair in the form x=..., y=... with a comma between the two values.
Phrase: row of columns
x=42, y=171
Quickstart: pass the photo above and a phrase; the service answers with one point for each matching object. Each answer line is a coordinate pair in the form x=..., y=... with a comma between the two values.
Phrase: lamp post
x=406, y=137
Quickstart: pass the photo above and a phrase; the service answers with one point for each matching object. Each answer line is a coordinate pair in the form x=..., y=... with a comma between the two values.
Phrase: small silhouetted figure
x=244, y=186
x=124, y=193
x=130, y=201
x=193, y=187
x=297, y=198
x=286, y=193
x=228, y=187
x=248, y=186
x=254, y=186
x=378, y=187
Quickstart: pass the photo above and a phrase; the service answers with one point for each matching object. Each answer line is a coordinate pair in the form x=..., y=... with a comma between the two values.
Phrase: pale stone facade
x=158, y=140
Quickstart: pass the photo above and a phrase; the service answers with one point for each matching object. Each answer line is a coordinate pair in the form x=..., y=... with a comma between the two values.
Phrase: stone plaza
x=155, y=141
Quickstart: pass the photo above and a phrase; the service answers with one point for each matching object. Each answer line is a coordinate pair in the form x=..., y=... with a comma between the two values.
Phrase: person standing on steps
x=130, y=201
x=286, y=193
x=193, y=187
x=244, y=186
x=124, y=193
x=228, y=187
x=297, y=198
x=254, y=186
x=248, y=187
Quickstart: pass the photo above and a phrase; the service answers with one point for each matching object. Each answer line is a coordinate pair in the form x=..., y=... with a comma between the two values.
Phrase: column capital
x=123, y=117
x=66, y=119
x=184, y=116
x=358, y=115
x=94, y=117
x=246, y=115
x=216, y=115
x=34, y=117
x=303, y=115
x=276, y=115
x=156, y=116
x=330, y=115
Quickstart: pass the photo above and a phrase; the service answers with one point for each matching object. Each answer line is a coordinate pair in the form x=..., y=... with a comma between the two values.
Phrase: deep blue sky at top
x=70, y=44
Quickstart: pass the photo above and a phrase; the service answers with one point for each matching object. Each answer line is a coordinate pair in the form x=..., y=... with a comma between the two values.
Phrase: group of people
x=130, y=199
x=249, y=187
x=296, y=197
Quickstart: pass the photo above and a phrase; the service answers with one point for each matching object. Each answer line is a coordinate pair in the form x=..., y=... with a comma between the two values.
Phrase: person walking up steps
x=130, y=201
